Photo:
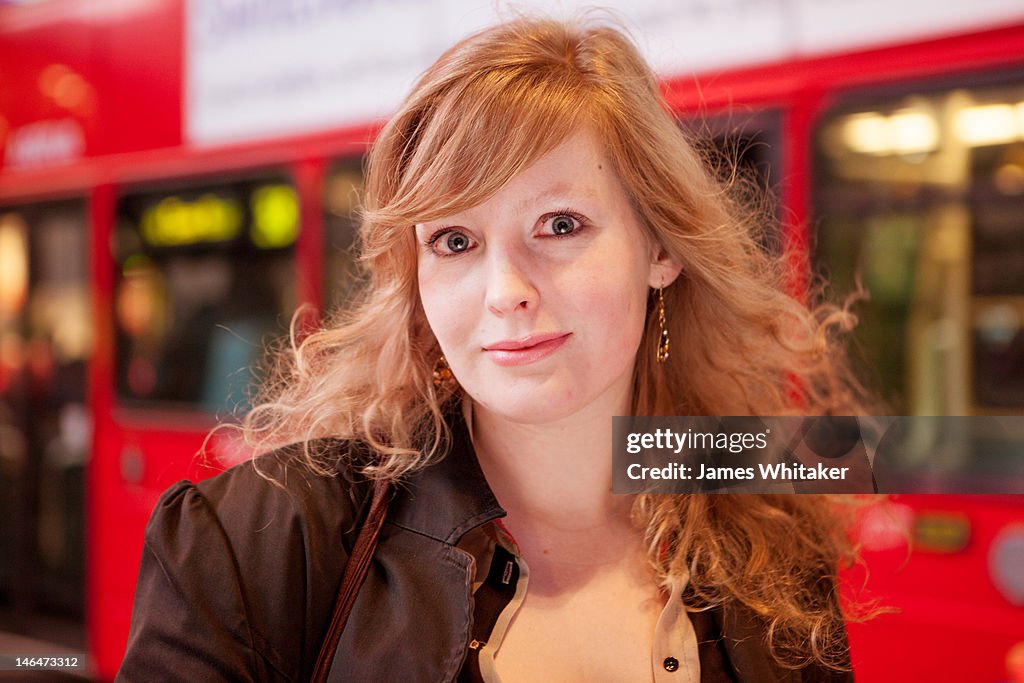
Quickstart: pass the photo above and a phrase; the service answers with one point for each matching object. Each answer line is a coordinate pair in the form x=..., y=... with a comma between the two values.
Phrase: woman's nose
x=509, y=288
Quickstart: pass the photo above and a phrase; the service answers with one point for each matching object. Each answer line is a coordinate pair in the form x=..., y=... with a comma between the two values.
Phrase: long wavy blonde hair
x=487, y=109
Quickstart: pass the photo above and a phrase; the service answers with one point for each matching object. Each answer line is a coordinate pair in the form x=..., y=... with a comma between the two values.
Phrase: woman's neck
x=553, y=478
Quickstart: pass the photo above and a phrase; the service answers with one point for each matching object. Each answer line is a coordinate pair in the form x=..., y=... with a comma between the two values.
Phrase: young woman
x=544, y=249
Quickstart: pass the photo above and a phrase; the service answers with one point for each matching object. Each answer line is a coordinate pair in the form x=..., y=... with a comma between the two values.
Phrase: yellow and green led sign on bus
x=211, y=219
x=275, y=216
x=174, y=222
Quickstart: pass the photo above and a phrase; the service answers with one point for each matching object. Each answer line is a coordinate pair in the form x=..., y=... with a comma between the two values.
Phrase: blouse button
x=671, y=663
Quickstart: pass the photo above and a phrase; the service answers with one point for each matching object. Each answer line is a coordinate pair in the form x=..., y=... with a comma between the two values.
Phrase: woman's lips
x=527, y=350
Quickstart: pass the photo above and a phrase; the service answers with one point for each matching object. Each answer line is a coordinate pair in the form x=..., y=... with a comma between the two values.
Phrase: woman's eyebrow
x=422, y=230
x=560, y=189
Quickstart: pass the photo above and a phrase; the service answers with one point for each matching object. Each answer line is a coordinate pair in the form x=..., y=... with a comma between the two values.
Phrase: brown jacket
x=239, y=577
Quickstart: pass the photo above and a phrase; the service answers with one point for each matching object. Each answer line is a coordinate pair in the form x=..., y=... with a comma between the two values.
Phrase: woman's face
x=538, y=296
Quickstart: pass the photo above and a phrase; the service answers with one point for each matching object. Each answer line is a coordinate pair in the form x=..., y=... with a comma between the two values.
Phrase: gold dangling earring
x=662, y=352
x=442, y=372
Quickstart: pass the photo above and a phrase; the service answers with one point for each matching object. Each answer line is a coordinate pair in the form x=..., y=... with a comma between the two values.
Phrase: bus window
x=342, y=194
x=45, y=426
x=920, y=197
x=205, y=281
x=743, y=151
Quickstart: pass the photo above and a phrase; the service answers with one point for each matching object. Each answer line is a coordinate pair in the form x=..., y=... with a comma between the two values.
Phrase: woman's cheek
x=440, y=318
x=631, y=321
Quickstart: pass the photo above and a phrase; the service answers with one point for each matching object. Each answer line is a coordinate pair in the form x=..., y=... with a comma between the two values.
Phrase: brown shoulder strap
x=355, y=572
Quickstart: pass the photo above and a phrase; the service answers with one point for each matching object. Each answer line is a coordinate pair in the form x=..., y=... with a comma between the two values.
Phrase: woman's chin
x=560, y=396
x=532, y=408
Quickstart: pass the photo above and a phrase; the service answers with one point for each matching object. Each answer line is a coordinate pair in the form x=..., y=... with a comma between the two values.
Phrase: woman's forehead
x=575, y=169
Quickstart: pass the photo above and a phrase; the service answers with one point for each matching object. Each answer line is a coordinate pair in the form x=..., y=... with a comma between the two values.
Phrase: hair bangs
x=476, y=138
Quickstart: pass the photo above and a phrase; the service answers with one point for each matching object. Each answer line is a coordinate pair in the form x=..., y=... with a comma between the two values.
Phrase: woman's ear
x=664, y=268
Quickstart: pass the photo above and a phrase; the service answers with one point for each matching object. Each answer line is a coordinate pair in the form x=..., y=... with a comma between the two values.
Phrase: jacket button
x=671, y=663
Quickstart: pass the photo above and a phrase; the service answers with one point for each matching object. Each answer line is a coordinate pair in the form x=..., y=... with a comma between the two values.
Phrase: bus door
x=205, y=282
x=45, y=426
x=919, y=196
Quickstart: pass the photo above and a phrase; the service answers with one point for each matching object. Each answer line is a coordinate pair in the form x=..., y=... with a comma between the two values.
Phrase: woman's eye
x=456, y=242
x=564, y=224
x=450, y=243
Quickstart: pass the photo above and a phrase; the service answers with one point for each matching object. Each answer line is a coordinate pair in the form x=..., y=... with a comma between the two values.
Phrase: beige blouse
x=674, y=658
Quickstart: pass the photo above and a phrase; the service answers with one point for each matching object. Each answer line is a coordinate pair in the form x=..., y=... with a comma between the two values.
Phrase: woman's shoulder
x=241, y=569
x=269, y=501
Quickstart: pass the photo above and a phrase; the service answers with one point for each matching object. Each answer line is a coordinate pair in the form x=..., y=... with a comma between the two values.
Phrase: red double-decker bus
x=178, y=177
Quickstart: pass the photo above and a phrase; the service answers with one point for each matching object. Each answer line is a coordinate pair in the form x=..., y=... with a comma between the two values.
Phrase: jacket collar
x=449, y=497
